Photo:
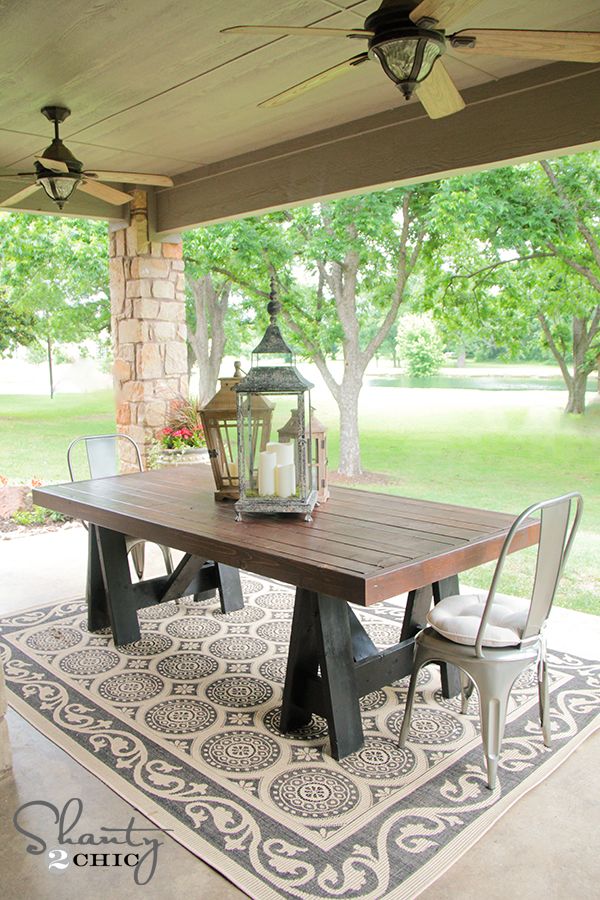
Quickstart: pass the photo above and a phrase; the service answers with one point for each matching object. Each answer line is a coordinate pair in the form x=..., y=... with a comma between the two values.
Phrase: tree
x=17, y=329
x=342, y=270
x=218, y=260
x=55, y=274
x=526, y=246
x=362, y=252
x=420, y=346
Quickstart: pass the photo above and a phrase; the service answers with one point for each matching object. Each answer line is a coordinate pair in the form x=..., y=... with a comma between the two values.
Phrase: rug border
x=501, y=807
x=411, y=888
x=237, y=875
x=155, y=813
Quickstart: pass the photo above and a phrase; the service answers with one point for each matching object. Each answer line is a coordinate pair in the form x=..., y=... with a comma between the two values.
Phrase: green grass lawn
x=496, y=449
x=36, y=431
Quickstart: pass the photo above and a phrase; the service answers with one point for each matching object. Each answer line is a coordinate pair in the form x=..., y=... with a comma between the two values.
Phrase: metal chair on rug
x=492, y=640
x=103, y=462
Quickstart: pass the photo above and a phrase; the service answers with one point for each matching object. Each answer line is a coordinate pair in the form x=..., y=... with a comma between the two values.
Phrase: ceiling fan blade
x=439, y=94
x=274, y=30
x=315, y=81
x=131, y=178
x=20, y=195
x=575, y=46
x=55, y=165
x=104, y=192
x=16, y=175
x=443, y=11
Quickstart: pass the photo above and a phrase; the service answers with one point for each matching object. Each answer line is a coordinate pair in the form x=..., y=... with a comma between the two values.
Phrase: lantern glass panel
x=222, y=436
x=276, y=468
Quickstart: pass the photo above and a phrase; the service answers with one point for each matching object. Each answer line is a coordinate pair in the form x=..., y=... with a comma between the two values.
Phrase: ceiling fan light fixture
x=59, y=187
x=407, y=59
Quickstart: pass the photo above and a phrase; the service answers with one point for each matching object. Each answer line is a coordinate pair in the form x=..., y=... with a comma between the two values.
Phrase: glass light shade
x=408, y=60
x=318, y=455
x=59, y=187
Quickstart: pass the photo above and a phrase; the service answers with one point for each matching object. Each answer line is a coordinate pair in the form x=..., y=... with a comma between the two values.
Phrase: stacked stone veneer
x=147, y=292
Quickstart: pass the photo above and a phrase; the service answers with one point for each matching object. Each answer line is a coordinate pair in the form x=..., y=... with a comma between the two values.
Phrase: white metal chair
x=492, y=640
x=103, y=462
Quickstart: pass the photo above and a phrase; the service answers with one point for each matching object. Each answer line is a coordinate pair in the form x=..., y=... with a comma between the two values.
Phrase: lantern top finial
x=272, y=343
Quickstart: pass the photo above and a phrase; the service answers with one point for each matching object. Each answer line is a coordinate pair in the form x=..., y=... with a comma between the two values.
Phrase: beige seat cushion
x=458, y=618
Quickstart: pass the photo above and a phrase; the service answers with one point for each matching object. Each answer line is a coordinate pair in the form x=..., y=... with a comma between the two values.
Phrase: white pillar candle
x=284, y=452
x=266, y=473
x=233, y=470
x=285, y=480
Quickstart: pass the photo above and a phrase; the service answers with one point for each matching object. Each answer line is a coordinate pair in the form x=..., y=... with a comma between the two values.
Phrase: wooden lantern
x=318, y=436
x=219, y=420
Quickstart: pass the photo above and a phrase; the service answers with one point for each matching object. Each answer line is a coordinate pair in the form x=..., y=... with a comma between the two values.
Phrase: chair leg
x=138, y=555
x=544, y=696
x=166, y=552
x=494, y=684
x=466, y=689
x=410, y=697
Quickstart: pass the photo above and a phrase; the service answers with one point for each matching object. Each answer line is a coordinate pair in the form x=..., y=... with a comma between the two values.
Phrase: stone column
x=147, y=292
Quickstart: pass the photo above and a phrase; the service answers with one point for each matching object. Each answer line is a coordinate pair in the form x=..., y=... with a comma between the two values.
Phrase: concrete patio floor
x=542, y=847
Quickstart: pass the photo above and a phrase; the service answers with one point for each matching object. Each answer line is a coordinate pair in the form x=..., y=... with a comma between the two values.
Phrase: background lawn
x=500, y=449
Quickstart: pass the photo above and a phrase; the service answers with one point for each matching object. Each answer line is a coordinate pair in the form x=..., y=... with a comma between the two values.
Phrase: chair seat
x=458, y=618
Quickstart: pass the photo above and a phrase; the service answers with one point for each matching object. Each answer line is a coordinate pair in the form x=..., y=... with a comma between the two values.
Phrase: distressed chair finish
x=493, y=640
x=102, y=458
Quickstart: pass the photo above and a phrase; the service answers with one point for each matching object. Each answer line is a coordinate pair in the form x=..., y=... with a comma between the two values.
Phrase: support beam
x=545, y=111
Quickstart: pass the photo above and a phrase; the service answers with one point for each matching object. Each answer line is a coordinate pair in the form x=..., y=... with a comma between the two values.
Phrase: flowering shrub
x=180, y=438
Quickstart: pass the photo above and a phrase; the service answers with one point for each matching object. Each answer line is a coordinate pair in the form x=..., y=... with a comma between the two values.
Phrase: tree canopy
x=522, y=244
x=53, y=279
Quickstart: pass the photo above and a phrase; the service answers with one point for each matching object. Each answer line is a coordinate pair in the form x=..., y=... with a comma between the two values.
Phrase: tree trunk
x=50, y=370
x=576, y=401
x=577, y=383
x=208, y=339
x=349, y=436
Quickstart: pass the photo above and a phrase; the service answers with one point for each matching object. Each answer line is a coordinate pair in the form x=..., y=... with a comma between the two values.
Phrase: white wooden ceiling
x=155, y=87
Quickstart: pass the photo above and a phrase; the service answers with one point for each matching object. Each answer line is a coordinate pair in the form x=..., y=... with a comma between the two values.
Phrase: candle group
x=277, y=470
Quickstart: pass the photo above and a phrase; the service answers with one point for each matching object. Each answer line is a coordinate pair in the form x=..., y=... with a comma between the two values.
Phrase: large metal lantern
x=318, y=433
x=278, y=478
x=219, y=420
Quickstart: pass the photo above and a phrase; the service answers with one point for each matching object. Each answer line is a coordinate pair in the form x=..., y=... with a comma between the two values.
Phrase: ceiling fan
x=408, y=41
x=58, y=173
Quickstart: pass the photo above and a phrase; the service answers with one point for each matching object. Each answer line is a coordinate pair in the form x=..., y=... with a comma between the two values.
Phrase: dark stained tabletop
x=362, y=546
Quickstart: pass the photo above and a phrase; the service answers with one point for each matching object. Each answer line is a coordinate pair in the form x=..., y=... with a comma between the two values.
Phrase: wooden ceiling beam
x=549, y=110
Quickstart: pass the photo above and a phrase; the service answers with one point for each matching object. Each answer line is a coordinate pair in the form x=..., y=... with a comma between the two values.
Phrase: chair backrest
x=102, y=454
x=555, y=542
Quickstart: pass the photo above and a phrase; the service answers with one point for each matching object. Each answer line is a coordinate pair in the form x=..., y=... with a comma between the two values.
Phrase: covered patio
x=161, y=90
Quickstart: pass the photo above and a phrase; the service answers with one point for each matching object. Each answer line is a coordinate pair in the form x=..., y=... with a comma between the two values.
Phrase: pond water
x=479, y=382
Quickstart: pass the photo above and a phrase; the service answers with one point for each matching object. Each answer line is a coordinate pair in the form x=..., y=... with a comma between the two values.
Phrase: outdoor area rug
x=184, y=726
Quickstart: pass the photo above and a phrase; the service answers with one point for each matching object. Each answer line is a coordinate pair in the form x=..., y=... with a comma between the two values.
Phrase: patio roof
x=158, y=88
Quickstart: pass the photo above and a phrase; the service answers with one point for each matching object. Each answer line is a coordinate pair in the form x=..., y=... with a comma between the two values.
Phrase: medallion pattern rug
x=184, y=725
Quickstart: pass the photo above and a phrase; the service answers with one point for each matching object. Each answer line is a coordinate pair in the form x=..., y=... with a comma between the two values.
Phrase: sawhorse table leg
x=113, y=599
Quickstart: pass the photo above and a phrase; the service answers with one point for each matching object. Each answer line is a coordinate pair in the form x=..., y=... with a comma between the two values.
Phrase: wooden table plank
x=361, y=546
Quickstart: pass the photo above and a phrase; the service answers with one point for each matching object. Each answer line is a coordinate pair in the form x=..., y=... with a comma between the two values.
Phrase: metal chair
x=103, y=462
x=493, y=640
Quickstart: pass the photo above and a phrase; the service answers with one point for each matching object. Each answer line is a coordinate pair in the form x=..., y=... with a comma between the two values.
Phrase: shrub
x=419, y=346
x=37, y=515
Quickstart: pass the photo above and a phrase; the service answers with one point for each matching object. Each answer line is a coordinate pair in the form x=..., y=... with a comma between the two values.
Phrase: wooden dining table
x=360, y=548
